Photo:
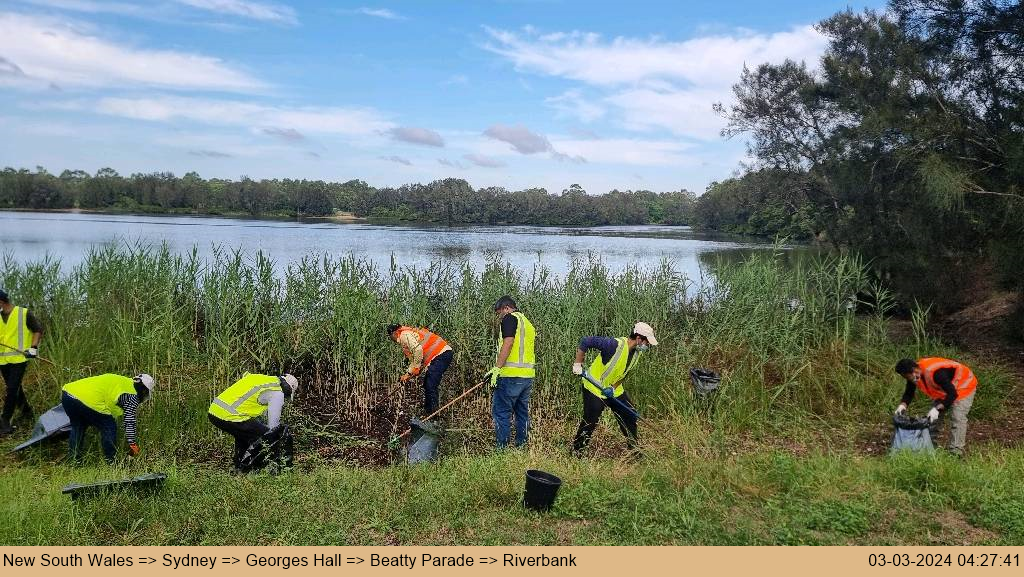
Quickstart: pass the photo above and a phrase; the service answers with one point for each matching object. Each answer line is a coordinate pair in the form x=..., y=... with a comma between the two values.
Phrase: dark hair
x=905, y=366
x=3, y=297
x=636, y=336
x=390, y=329
x=141, y=391
x=505, y=301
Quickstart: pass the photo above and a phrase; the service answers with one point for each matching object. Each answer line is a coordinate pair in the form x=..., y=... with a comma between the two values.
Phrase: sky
x=512, y=93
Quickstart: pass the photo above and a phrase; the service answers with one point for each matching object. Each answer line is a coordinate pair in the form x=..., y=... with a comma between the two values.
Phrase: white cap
x=645, y=330
x=292, y=382
x=146, y=380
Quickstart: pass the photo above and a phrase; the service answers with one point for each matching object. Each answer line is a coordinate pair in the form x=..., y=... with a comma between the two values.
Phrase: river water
x=31, y=236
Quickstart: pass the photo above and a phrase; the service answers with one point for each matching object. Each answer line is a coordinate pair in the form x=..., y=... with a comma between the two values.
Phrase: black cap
x=390, y=329
x=3, y=296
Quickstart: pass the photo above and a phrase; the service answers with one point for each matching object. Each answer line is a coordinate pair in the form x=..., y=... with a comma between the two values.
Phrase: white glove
x=900, y=410
x=933, y=415
x=577, y=369
x=31, y=352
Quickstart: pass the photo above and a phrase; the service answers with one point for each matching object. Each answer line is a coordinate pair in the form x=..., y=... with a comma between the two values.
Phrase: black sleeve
x=509, y=324
x=908, y=393
x=33, y=323
x=944, y=378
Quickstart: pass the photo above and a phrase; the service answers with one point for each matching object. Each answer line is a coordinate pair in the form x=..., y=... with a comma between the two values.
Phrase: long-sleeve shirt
x=411, y=342
x=606, y=346
x=274, y=400
x=943, y=378
x=130, y=405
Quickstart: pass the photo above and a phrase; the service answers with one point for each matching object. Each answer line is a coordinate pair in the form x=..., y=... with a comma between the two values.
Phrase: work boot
x=5, y=428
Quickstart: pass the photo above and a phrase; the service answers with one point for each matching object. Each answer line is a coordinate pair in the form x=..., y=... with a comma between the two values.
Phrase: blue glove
x=608, y=392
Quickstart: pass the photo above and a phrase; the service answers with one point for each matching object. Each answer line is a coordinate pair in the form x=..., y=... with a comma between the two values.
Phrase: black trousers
x=13, y=373
x=245, y=433
x=432, y=380
x=593, y=406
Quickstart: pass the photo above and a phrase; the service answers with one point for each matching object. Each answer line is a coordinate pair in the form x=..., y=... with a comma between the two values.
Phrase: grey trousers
x=958, y=423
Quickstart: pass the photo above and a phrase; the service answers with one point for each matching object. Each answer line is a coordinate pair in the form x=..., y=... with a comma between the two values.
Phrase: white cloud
x=69, y=55
x=653, y=84
x=380, y=13
x=572, y=104
x=91, y=6
x=253, y=10
x=630, y=151
x=274, y=120
x=483, y=161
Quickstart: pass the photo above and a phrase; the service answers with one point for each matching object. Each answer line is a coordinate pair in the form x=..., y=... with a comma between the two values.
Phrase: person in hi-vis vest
x=98, y=402
x=615, y=359
x=237, y=411
x=513, y=372
x=427, y=352
x=20, y=332
x=949, y=384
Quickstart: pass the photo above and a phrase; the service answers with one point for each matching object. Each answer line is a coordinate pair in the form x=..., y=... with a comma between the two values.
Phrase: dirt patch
x=957, y=531
x=328, y=428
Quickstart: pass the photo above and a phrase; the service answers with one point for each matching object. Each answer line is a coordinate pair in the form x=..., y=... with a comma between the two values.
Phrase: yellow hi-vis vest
x=241, y=401
x=521, y=361
x=14, y=333
x=611, y=375
x=100, y=393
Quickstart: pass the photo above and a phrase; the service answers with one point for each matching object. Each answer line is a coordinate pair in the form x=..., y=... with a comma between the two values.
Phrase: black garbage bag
x=705, y=381
x=275, y=448
x=911, y=434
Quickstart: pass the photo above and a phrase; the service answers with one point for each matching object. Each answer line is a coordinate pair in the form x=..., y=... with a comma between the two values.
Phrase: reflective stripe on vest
x=100, y=393
x=240, y=402
x=963, y=378
x=12, y=334
x=521, y=361
x=431, y=343
x=611, y=375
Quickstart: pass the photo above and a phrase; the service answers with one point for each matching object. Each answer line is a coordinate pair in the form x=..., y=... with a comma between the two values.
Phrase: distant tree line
x=905, y=143
x=448, y=201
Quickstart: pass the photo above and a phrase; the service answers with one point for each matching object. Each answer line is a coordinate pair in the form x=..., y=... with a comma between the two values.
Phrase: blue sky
x=514, y=93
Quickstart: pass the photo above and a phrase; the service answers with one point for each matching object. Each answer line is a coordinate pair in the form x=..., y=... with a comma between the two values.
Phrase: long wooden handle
x=450, y=403
x=47, y=361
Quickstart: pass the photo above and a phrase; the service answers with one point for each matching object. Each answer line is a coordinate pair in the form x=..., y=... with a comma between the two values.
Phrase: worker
x=616, y=358
x=237, y=411
x=513, y=372
x=20, y=332
x=98, y=402
x=951, y=386
x=425, y=350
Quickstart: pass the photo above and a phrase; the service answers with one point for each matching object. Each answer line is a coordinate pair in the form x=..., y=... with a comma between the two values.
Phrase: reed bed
x=795, y=342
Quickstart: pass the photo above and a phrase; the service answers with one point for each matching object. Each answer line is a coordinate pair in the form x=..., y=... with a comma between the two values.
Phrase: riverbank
x=779, y=458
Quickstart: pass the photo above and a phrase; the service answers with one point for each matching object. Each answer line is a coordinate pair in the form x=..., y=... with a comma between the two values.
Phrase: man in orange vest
x=950, y=385
x=424, y=349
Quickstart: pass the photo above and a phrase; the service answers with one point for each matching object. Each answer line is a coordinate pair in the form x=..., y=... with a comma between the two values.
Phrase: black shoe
x=6, y=428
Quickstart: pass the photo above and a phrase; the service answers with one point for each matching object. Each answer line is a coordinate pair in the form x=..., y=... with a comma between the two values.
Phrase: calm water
x=31, y=236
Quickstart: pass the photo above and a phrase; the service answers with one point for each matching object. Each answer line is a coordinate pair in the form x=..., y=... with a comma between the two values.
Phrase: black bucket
x=541, y=489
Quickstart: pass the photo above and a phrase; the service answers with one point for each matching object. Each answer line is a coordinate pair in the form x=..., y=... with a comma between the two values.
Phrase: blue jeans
x=82, y=417
x=511, y=395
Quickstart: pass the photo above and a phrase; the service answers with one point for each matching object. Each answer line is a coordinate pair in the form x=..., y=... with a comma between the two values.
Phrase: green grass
x=764, y=497
x=779, y=461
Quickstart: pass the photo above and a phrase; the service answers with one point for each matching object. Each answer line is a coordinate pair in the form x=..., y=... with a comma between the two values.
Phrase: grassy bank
x=807, y=381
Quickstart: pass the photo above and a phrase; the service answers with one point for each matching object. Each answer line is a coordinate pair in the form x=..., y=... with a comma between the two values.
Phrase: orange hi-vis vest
x=431, y=343
x=963, y=379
